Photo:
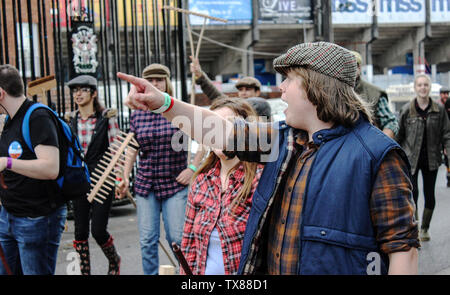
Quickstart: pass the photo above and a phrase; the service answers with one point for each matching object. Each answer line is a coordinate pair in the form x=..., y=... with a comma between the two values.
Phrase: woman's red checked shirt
x=209, y=207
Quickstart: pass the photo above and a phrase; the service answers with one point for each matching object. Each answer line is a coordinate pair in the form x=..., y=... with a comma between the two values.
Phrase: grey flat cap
x=249, y=82
x=83, y=80
x=323, y=57
x=444, y=89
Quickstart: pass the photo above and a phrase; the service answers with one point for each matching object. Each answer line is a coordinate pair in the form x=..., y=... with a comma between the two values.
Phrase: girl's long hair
x=98, y=107
x=241, y=109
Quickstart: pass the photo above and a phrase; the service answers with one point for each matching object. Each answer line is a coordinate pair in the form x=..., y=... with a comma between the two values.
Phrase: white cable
x=235, y=48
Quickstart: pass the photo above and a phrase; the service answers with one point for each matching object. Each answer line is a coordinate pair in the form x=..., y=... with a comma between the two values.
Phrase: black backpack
x=73, y=179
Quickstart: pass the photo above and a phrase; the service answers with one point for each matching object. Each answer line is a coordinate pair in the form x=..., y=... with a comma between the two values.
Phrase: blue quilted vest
x=337, y=235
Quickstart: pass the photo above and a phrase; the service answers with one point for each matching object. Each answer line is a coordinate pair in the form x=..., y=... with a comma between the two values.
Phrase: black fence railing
x=35, y=36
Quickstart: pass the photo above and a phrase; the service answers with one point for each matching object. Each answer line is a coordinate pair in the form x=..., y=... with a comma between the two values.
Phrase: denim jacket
x=411, y=132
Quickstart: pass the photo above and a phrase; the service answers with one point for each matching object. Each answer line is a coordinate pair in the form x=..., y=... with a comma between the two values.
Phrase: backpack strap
x=26, y=123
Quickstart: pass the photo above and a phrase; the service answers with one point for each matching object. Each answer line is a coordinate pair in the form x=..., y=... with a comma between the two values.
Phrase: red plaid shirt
x=86, y=130
x=209, y=208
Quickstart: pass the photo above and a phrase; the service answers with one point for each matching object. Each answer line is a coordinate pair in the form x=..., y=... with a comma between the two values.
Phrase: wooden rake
x=41, y=86
x=103, y=177
x=197, y=49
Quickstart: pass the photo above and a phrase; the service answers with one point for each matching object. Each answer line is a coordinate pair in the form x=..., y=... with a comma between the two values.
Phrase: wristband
x=192, y=167
x=9, y=163
x=172, y=102
x=165, y=106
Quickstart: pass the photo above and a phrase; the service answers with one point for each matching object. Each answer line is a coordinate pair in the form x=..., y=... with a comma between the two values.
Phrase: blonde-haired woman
x=424, y=129
x=219, y=204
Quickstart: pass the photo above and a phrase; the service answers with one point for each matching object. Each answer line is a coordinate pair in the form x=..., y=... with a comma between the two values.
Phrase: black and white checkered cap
x=323, y=57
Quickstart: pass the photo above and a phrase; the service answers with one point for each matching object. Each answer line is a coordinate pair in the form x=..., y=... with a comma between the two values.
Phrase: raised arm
x=202, y=79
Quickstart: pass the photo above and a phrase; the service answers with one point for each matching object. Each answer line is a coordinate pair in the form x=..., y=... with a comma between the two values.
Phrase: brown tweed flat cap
x=248, y=82
x=323, y=57
x=156, y=71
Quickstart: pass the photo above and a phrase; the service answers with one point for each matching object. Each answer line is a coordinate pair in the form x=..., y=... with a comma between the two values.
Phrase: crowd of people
x=316, y=193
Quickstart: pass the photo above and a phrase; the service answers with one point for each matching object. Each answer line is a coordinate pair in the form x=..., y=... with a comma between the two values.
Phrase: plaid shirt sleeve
x=113, y=129
x=385, y=115
x=392, y=207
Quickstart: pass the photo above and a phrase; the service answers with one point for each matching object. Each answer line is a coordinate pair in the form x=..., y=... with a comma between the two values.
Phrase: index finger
x=138, y=82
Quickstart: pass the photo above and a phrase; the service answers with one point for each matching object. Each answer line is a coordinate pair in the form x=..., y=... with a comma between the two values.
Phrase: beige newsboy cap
x=248, y=82
x=156, y=71
x=323, y=57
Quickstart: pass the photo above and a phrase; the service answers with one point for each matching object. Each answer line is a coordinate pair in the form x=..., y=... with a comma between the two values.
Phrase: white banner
x=388, y=11
x=351, y=11
x=440, y=11
x=401, y=11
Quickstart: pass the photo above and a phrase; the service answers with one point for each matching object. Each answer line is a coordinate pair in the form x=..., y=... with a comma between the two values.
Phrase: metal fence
x=35, y=36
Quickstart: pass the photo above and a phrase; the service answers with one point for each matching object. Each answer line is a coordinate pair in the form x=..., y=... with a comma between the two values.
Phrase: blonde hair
x=169, y=87
x=336, y=101
x=422, y=76
x=242, y=109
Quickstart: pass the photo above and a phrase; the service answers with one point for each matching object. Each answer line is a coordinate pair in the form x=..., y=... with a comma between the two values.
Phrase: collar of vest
x=325, y=135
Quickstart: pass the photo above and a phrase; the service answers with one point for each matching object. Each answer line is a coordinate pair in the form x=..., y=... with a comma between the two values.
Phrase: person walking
x=162, y=178
x=96, y=128
x=32, y=211
x=424, y=130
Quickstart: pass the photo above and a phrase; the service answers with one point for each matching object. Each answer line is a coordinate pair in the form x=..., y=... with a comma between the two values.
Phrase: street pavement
x=434, y=256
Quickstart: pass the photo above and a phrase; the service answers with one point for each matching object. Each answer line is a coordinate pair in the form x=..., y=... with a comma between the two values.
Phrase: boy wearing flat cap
x=335, y=195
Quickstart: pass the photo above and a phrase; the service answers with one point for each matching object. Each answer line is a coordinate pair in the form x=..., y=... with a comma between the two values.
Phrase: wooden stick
x=167, y=253
x=101, y=165
x=101, y=196
x=181, y=259
x=104, y=163
x=199, y=42
x=131, y=199
x=194, y=13
x=103, y=191
x=40, y=81
x=98, y=200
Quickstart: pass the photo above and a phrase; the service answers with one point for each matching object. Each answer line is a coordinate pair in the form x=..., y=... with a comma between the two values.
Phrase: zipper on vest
x=253, y=238
x=304, y=206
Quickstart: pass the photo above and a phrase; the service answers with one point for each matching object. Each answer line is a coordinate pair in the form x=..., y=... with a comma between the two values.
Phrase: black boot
x=82, y=248
x=113, y=257
x=426, y=219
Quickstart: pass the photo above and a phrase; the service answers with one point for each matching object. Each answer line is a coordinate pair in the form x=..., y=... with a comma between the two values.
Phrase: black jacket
x=99, y=141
